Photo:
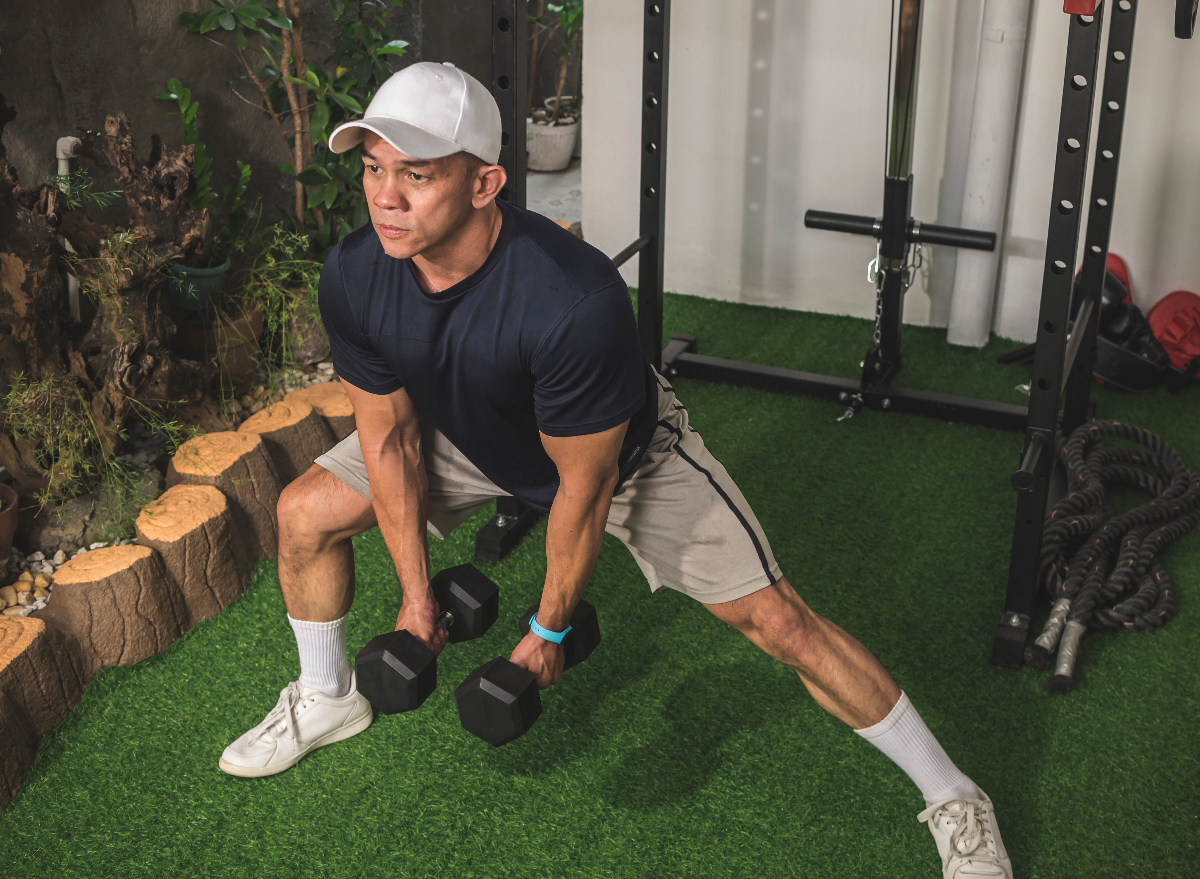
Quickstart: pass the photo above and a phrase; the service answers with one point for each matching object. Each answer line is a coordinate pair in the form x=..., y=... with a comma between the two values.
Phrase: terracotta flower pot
x=310, y=344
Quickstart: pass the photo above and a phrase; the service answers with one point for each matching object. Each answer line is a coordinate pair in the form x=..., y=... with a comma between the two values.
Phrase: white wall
x=737, y=233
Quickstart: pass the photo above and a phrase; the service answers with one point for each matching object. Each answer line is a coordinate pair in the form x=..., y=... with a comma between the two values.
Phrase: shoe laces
x=283, y=715
x=972, y=827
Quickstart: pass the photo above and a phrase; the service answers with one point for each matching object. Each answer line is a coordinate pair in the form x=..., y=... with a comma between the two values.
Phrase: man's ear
x=488, y=182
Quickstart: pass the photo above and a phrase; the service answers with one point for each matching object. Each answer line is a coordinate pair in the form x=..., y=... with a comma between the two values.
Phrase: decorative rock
x=41, y=592
x=8, y=595
x=14, y=611
x=191, y=527
x=36, y=556
x=332, y=404
x=60, y=557
x=119, y=603
x=24, y=598
x=26, y=577
x=41, y=581
x=295, y=435
x=240, y=466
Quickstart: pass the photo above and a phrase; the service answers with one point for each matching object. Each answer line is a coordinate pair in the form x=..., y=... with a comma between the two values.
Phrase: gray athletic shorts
x=680, y=514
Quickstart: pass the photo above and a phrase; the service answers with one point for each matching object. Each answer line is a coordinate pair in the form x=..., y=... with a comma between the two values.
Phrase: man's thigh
x=685, y=520
x=457, y=488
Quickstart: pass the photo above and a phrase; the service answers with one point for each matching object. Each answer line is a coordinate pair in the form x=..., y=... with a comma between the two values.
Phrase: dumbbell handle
x=444, y=621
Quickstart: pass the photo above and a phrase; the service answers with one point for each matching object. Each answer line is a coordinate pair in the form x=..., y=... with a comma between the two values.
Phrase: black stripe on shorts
x=762, y=556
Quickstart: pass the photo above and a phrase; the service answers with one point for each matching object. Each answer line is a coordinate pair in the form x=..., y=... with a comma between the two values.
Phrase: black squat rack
x=1065, y=349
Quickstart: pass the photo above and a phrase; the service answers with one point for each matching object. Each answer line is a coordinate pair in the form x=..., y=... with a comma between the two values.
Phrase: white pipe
x=989, y=164
x=942, y=260
x=64, y=149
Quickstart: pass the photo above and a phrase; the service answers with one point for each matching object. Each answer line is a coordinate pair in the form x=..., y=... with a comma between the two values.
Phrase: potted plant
x=199, y=274
x=550, y=133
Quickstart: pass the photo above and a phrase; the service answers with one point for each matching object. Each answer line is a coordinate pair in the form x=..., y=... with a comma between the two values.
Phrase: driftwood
x=332, y=403
x=122, y=362
x=294, y=433
x=119, y=603
x=191, y=528
x=240, y=466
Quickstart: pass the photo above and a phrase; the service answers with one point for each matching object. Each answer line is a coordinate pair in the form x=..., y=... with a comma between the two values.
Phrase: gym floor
x=677, y=749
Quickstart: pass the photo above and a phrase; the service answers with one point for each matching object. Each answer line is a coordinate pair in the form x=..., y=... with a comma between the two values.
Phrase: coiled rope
x=1091, y=559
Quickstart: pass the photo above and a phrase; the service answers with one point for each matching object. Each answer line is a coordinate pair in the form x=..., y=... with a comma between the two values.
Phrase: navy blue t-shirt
x=542, y=337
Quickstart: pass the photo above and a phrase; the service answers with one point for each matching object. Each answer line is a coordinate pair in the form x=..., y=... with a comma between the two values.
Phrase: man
x=488, y=352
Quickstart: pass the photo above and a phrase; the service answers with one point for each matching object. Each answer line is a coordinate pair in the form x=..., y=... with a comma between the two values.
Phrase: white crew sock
x=323, y=664
x=908, y=743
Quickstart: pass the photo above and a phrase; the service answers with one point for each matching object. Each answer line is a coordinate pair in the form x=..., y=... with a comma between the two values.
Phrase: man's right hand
x=418, y=616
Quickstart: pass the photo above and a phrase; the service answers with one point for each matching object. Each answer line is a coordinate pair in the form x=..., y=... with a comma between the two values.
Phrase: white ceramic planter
x=550, y=146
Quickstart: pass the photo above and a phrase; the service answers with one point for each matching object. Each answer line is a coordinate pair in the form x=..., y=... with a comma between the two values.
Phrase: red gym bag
x=1175, y=320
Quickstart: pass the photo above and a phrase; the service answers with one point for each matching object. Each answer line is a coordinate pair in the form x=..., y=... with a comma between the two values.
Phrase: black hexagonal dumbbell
x=499, y=701
x=395, y=671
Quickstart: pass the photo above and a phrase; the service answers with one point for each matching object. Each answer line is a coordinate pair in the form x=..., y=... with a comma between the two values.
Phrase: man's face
x=416, y=204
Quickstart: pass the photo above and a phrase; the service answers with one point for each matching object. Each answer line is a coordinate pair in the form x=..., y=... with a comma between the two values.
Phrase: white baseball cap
x=427, y=111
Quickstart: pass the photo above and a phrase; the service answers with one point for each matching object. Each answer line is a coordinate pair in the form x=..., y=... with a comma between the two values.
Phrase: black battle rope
x=1091, y=558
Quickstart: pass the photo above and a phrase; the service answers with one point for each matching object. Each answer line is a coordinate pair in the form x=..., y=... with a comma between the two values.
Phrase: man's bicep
x=381, y=418
x=588, y=461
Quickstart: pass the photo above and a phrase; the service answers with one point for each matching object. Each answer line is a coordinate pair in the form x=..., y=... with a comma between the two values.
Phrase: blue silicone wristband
x=544, y=633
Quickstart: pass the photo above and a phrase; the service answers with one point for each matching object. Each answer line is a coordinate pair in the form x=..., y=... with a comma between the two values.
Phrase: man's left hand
x=542, y=658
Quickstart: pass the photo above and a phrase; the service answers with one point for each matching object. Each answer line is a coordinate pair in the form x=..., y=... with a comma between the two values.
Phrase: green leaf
x=255, y=12
x=331, y=193
x=286, y=169
x=240, y=39
x=346, y=101
x=316, y=197
x=210, y=20
x=174, y=85
x=337, y=8
x=313, y=177
x=318, y=122
x=391, y=50
x=186, y=19
x=280, y=21
x=311, y=76
x=398, y=44
x=362, y=214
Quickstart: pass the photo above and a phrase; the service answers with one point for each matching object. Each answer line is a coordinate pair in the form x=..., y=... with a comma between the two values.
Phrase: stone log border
x=196, y=547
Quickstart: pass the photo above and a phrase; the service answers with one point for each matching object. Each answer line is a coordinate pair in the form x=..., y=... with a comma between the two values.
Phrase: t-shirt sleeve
x=353, y=357
x=589, y=370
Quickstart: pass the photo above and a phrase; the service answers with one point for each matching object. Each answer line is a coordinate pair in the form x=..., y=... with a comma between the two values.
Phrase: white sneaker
x=301, y=721
x=968, y=839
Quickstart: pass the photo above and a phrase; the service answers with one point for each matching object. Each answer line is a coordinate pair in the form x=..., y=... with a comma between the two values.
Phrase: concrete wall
x=777, y=106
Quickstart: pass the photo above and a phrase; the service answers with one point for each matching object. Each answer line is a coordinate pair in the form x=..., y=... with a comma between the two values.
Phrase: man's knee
x=317, y=509
x=784, y=626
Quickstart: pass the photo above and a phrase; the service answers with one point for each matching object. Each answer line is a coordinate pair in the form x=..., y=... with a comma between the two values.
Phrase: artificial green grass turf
x=679, y=750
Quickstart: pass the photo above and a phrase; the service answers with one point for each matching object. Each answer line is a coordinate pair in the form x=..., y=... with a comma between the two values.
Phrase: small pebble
x=35, y=556
x=26, y=577
x=257, y=407
x=97, y=545
x=8, y=595
x=40, y=593
x=79, y=552
x=46, y=568
x=14, y=611
x=60, y=557
x=24, y=598
x=41, y=581
x=325, y=365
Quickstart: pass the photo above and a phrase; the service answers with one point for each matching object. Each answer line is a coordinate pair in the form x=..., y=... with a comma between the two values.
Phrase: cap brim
x=416, y=143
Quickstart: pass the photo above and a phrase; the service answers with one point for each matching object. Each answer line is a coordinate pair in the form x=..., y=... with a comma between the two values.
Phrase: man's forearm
x=574, y=533
x=399, y=493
